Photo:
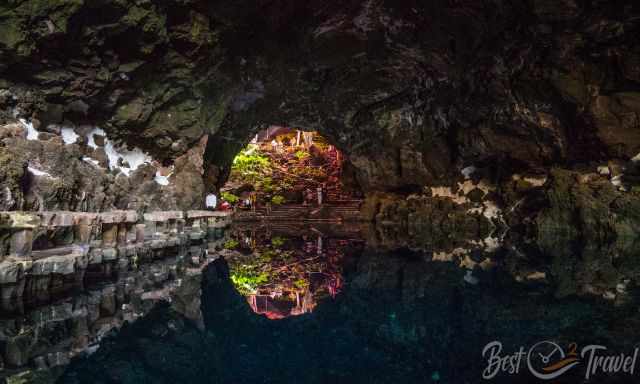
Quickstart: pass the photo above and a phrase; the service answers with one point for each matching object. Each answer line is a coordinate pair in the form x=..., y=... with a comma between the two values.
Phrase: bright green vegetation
x=272, y=267
x=278, y=241
x=278, y=200
x=247, y=279
x=266, y=185
x=301, y=155
x=231, y=244
x=301, y=284
x=276, y=177
x=251, y=165
x=230, y=197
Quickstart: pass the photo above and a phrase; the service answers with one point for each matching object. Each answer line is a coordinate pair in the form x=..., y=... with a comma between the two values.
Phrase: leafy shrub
x=266, y=185
x=230, y=197
x=301, y=155
x=278, y=241
x=309, y=173
x=301, y=283
x=251, y=163
x=278, y=199
x=231, y=244
x=247, y=280
x=267, y=256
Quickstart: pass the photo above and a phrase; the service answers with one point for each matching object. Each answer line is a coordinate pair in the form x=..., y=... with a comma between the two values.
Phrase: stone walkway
x=345, y=211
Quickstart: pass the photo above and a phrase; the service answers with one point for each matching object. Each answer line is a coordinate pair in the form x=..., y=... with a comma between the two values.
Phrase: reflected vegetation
x=286, y=270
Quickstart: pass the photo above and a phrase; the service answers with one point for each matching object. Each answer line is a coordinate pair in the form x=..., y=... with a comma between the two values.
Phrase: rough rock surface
x=414, y=92
x=50, y=174
x=411, y=91
x=590, y=229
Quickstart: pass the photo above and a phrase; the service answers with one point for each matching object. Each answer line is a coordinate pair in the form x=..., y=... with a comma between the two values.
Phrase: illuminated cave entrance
x=292, y=235
x=283, y=167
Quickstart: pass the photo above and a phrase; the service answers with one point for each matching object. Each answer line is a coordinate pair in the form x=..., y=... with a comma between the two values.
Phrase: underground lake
x=320, y=191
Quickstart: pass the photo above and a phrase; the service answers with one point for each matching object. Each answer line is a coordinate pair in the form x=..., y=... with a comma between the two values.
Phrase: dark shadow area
x=399, y=320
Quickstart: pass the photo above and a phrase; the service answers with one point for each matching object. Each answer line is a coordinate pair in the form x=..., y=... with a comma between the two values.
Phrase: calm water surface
x=338, y=304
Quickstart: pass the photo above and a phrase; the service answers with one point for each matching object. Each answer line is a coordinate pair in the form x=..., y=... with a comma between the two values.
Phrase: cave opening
x=286, y=167
x=295, y=211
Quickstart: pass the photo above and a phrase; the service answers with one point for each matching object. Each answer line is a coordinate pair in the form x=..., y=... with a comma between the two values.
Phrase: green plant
x=301, y=155
x=266, y=185
x=250, y=162
x=309, y=172
x=231, y=244
x=230, y=197
x=278, y=199
x=301, y=283
x=267, y=256
x=278, y=241
x=287, y=255
x=247, y=280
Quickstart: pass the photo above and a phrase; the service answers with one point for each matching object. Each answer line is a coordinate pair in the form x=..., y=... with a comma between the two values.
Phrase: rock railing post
x=20, y=227
x=140, y=231
x=122, y=234
x=109, y=234
x=162, y=227
x=83, y=227
x=114, y=234
x=59, y=221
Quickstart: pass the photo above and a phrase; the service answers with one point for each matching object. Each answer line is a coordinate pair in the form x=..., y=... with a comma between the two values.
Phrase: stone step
x=162, y=216
x=63, y=265
x=290, y=213
x=58, y=251
x=201, y=214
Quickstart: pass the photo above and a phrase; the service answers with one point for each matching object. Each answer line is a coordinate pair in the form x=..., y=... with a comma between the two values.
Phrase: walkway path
x=341, y=211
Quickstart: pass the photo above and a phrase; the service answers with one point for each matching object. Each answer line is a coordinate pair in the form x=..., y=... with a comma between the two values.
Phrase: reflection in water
x=402, y=317
x=402, y=314
x=283, y=271
x=39, y=335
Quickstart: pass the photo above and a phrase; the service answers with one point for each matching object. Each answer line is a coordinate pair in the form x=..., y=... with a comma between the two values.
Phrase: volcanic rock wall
x=414, y=92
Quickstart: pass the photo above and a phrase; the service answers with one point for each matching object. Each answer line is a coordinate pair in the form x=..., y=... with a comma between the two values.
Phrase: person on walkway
x=211, y=201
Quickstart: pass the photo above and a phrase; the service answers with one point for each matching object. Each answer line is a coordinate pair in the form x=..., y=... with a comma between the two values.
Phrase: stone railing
x=48, y=252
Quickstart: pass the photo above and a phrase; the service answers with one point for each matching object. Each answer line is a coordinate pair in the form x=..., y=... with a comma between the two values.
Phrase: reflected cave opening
x=287, y=269
x=287, y=187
